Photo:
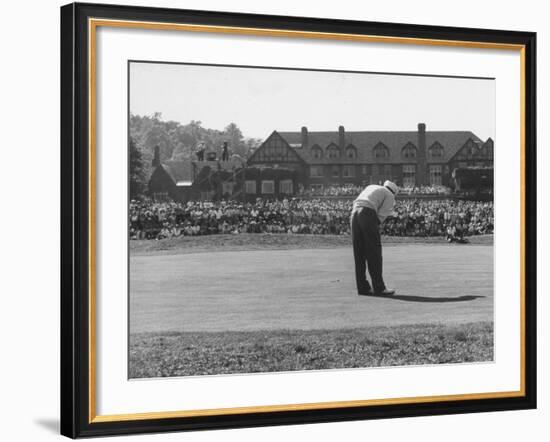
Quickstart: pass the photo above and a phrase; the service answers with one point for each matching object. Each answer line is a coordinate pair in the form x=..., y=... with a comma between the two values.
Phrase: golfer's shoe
x=385, y=292
x=365, y=293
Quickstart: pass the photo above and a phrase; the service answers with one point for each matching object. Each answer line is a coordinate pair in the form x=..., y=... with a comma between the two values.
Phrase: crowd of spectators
x=440, y=218
x=424, y=190
x=353, y=190
x=332, y=190
x=157, y=220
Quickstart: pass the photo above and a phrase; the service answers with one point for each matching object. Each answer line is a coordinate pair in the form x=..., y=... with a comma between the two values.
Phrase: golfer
x=372, y=207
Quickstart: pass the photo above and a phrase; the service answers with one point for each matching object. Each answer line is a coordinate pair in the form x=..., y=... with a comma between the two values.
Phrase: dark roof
x=179, y=170
x=224, y=165
x=183, y=170
x=365, y=141
x=451, y=141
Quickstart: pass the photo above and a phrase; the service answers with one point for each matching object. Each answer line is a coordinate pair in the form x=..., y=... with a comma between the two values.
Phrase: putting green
x=307, y=289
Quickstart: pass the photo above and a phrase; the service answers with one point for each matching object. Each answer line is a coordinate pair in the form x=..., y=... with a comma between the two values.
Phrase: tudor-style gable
x=473, y=153
x=275, y=150
x=486, y=151
x=467, y=152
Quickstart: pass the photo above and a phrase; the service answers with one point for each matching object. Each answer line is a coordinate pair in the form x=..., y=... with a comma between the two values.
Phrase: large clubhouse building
x=314, y=160
x=409, y=159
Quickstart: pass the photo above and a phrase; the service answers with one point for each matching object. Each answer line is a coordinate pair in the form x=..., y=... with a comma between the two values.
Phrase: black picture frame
x=75, y=220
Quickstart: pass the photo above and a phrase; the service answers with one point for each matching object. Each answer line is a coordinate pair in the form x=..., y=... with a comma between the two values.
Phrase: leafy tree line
x=136, y=171
x=177, y=141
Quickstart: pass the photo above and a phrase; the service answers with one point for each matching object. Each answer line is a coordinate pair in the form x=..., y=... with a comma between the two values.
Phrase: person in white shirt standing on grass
x=373, y=205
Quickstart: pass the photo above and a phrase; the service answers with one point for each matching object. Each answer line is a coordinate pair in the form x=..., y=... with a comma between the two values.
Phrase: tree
x=235, y=139
x=181, y=152
x=137, y=173
x=186, y=138
x=179, y=141
x=251, y=145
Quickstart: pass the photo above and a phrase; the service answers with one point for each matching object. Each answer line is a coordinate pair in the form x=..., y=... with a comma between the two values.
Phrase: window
x=250, y=187
x=375, y=169
x=268, y=187
x=351, y=152
x=316, y=152
x=160, y=196
x=436, y=151
x=409, y=175
x=335, y=171
x=316, y=171
x=227, y=188
x=387, y=172
x=409, y=151
x=435, y=174
x=333, y=152
x=381, y=151
x=317, y=189
x=462, y=164
x=285, y=187
x=349, y=171
x=364, y=169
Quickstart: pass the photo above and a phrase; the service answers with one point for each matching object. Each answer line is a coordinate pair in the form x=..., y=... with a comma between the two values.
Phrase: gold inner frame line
x=263, y=32
x=92, y=28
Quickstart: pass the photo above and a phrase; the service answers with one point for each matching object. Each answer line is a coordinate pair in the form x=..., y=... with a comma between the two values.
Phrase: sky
x=262, y=100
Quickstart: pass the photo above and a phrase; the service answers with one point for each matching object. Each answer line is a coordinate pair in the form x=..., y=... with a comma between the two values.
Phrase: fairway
x=307, y=289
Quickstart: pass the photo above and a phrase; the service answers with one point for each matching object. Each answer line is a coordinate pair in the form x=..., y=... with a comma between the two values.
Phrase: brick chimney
x=156, y=157
x=421, y=176
x=305, y=140
x=341, y=138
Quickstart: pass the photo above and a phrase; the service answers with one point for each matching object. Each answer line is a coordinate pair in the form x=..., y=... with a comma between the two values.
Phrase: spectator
x=354, y=190
x=156, y=220
x=225, y=152
x=200, y=152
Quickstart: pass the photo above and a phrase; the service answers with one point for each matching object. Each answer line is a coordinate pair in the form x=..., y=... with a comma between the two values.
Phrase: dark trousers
x=367, y=249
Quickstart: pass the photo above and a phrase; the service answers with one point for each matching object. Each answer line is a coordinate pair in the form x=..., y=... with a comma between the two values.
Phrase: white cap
x=392, y=186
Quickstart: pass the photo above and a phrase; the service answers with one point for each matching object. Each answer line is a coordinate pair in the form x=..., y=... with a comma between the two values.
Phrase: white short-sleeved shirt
x=379, y=198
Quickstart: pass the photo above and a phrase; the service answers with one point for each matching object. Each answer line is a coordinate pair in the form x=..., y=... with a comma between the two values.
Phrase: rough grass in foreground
x=278, y=241
x=189, y=354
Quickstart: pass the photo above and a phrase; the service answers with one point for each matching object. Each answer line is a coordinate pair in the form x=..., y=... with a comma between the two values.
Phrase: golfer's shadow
x=428, y=298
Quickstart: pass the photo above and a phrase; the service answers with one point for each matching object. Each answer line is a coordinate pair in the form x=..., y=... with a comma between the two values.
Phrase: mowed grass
x=307, y=289
x=268, y=241
x=211, y=353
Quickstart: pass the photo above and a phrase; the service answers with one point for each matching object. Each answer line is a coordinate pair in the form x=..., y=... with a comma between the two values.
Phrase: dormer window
x=409, y=152
x=435, y=152
x=381, y=151
x=316, y=152
x=351, y=152
x=333, y=151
